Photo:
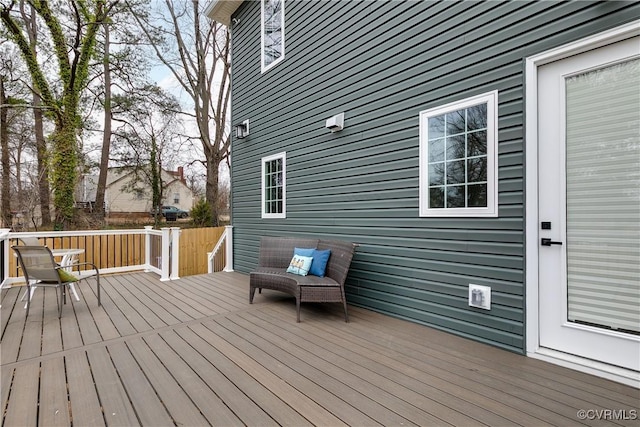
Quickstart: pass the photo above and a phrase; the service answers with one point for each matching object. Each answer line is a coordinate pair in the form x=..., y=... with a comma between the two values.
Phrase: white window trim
x=265, y=68
x=283, y=156
x=491, y=99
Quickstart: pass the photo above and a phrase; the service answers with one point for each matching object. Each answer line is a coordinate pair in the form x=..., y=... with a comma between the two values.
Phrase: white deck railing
x=216, y=258
x=113, y=251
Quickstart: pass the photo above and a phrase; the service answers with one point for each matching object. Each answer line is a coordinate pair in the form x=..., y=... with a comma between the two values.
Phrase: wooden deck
x=193, y=352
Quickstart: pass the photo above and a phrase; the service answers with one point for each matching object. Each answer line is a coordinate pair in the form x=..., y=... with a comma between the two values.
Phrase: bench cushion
x=295, y=280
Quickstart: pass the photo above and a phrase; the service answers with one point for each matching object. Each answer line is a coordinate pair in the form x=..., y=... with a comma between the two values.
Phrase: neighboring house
x=126, y=195
x=469, y=143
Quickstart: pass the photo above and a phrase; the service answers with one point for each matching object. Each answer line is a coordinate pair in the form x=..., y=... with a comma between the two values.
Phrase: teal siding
x=381, y=63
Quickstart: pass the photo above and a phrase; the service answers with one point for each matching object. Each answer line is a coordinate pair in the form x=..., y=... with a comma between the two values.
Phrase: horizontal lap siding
x=381, y=63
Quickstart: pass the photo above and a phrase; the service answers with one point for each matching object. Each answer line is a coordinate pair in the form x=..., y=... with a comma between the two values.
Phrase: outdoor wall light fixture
x=242, y=130
x=335, y=123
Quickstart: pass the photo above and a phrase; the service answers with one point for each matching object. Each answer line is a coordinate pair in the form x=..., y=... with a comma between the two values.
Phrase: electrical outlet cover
x=480, y=296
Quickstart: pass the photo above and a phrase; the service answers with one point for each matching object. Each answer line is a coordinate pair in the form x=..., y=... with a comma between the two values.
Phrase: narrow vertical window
x=458, y=167
x=272, y=34
x=274, y=186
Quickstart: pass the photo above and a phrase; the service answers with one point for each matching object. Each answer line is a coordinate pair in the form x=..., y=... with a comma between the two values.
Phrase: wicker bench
x=275, y=256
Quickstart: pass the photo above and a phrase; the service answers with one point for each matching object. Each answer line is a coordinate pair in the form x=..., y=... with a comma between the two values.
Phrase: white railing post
x=229, y=248
x=147, y=247
x=4, y=234
x=175, y=253
x=166, y=253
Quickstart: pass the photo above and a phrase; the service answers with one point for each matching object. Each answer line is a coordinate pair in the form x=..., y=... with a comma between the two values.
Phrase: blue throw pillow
x=300, y=265
x=319, y=264
x=303, y=251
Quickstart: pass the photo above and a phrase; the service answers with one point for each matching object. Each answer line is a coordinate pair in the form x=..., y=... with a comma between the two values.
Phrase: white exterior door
x=589, y=205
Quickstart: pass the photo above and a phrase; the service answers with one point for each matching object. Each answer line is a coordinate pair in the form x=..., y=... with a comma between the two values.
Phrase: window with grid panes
x=272, y=34
x=274, y=186
x=458, y=175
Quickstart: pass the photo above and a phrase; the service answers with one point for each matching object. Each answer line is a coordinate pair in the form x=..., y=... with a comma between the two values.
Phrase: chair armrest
x=78, y=265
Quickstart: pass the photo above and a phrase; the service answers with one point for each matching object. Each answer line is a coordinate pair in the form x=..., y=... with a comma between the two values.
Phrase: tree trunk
x=44, y=191
x=212, y=190
x=106, y=136
x=43, y=168
x=64, y=164
x=4, y=143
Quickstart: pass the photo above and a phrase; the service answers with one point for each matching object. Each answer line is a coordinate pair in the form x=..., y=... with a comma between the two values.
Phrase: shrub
x=201, y=214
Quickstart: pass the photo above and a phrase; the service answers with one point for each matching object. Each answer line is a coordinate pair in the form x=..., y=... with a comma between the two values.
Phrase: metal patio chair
x=40, y=269
x=30, y=241
x=68, y=257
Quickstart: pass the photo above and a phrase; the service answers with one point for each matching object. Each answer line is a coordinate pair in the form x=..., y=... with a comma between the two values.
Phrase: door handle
x=548, y=242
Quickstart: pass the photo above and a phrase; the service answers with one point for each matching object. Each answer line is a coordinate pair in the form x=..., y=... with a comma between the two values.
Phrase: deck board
x=114, y=398
x=461, y=384
x=386, y=387
x=232, y=406
x=288, y=360
x=82, y=392
x=168, y=390
x=22, y=409
x=53, y=407
x=149, y=408
x=212, y=409
x=162, y=303
x=195, y=352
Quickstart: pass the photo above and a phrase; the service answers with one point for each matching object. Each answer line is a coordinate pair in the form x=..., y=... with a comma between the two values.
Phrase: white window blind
x=603, y=196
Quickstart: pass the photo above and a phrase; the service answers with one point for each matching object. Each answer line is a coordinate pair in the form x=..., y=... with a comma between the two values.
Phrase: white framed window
x=176, y=197
x=274, y=186
x=458, y=158
x=271, y=32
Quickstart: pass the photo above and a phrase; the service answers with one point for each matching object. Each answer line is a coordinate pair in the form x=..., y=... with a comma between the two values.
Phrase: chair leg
x=28, y=304
x=252, y=292
x=346, y=315
x=344, y=305
x=59, y=301
x=297, y=309
x=31, y=289
x=98, y=282
x=73, y=291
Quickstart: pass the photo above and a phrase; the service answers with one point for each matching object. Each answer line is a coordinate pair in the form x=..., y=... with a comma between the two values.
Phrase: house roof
x=221, y=10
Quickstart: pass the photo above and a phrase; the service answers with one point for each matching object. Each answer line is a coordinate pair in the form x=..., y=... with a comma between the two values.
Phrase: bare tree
x=44, y=191
x=124, y=65
x=4, y=143
x=148, y=133
x=13, y=108
x=196, y=51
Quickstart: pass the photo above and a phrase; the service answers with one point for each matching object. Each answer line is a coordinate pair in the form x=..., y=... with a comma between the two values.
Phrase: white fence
x=113, y=251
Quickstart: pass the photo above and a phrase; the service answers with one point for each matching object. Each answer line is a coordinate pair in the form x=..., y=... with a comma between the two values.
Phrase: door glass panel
x=603, y=197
